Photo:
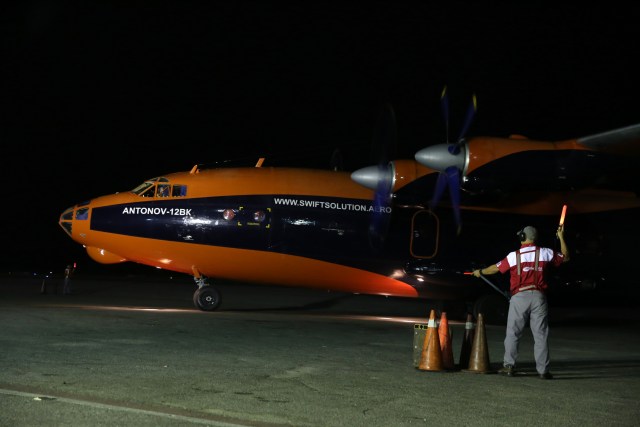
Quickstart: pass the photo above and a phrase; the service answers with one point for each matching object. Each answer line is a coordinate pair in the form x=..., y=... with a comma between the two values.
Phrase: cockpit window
x=67, y=215
x=160, y=187
x=82, y=213
x=149, y=191
x=164, y=190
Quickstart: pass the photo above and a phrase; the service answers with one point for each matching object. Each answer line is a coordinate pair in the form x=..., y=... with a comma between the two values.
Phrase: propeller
x=381, y=176
x=337, y=161
x=449, y=159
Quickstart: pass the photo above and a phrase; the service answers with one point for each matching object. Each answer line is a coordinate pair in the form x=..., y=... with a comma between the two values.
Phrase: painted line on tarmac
x=168, y=415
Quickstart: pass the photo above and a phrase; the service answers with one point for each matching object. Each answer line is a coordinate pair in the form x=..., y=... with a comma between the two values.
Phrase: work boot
x=506, y=370
x=546, y=376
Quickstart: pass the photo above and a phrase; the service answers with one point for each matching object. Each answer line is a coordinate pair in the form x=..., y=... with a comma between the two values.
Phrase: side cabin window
x=179, y=190
x=160, y=187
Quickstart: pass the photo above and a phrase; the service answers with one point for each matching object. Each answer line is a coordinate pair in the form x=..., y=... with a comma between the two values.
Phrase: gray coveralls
x=529, y=305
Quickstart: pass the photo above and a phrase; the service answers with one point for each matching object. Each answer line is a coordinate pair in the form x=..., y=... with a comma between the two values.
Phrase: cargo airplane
x=388, y=229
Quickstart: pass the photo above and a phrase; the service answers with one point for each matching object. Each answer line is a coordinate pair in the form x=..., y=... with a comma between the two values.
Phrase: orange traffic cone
x=467, y=342
x=479, y=358
x=431, y=358
x=427, y=336
x=444, y=334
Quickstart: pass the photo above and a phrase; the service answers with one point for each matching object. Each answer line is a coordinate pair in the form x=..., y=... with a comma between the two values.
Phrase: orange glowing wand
x=563, y=214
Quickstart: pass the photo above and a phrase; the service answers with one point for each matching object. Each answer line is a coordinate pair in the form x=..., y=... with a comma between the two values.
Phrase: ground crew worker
x=528, y=300
x=68, y=272
x=43, y=288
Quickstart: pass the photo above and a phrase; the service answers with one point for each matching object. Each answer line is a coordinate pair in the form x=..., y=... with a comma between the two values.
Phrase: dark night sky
x=99, y=96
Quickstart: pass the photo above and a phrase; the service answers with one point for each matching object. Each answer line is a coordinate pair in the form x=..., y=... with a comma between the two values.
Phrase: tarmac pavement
x=134, y=351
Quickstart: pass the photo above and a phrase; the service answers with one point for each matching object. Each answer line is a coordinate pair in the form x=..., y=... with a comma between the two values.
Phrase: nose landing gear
x=206, y=297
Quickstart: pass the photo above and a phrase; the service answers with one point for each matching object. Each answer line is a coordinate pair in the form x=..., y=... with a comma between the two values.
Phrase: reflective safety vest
x=535, y=271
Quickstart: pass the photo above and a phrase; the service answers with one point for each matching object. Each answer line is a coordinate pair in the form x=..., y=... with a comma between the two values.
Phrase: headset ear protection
x=521, y=235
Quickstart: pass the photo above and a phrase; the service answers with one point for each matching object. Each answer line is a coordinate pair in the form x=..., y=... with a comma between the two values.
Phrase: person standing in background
x=68, y=272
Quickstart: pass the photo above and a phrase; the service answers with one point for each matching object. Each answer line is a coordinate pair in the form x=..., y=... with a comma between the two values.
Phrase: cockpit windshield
x=143, y=187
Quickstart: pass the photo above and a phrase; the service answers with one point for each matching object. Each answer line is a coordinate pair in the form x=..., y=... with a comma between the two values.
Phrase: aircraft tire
x=494, y=309
x=206, y=298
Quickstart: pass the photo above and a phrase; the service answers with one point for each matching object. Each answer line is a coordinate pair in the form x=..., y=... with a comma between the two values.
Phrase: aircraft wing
x=619, y=141
x=595, y=173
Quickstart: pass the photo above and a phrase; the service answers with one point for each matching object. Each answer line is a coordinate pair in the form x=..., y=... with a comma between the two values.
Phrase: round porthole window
x=258, y=216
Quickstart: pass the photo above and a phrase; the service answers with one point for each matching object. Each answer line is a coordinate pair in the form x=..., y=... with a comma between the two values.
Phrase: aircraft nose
x=66, y=220
x=76, y=214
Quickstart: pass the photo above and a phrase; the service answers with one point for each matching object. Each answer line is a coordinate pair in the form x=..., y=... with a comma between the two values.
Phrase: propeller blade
x=449, y=178
x=384, y=147
x=444, y=103
x=449, y=159
x=379, y=225
x=471, y=111
x=337, y=162
x=453, y=178
x=441, y=183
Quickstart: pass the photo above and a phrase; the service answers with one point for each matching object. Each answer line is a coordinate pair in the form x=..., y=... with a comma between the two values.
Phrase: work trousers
x=528, y=306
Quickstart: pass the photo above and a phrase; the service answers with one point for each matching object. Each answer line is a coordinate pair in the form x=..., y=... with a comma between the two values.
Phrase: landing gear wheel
x=206, y=298
x=494, y=309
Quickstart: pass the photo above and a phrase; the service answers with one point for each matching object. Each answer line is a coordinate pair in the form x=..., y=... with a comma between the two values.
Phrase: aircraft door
x=425, y=234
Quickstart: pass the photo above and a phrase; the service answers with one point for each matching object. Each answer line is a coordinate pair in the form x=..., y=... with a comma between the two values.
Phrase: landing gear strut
x=206, y=297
